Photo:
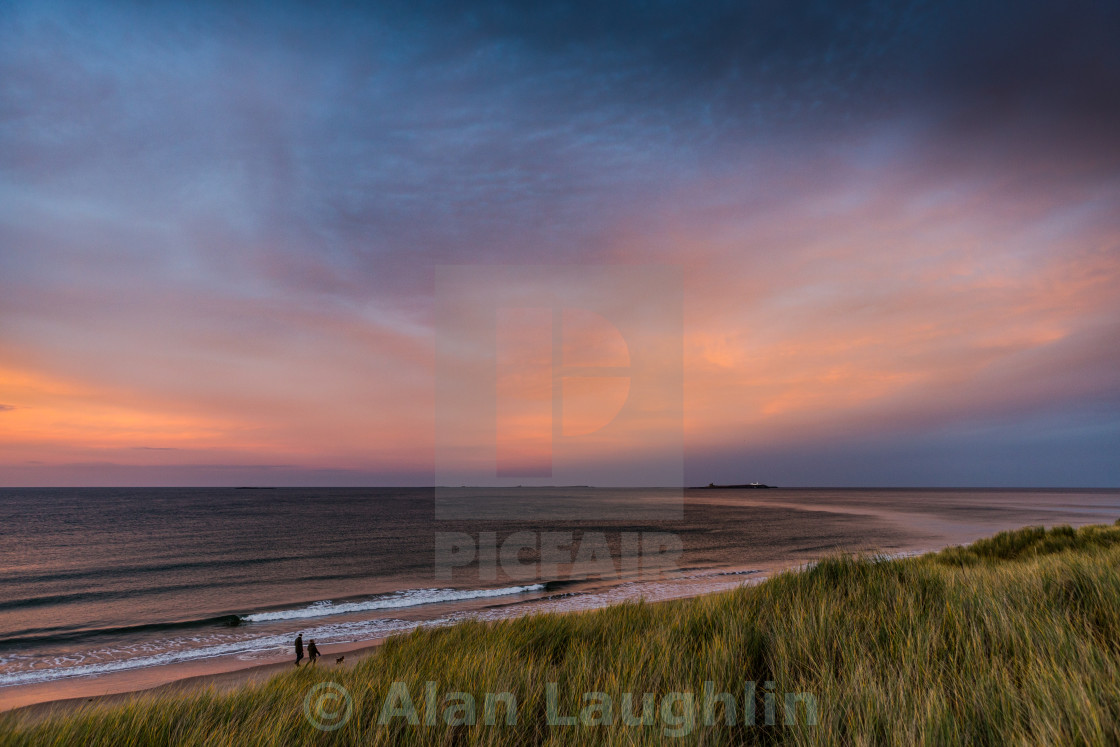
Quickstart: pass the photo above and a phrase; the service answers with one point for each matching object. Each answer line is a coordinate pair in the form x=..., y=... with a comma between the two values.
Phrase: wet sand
x=225, y=674
x=171, y=680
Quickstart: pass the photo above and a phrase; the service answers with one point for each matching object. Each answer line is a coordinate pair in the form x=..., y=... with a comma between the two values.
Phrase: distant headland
x=750, y=486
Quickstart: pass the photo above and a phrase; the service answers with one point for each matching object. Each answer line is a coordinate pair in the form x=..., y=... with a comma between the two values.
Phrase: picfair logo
x=558, y=376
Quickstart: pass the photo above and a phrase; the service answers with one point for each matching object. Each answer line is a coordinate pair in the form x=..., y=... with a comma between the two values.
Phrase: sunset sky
x=896, y=227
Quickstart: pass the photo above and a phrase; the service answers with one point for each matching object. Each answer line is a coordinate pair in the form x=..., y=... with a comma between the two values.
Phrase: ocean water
x=94, y=581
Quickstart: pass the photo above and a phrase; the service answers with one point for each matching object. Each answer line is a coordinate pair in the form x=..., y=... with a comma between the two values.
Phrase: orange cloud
x=73, y=417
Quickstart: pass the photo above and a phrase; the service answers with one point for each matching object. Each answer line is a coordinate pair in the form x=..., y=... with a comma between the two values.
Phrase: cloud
x=7, y=408
x=220, y=225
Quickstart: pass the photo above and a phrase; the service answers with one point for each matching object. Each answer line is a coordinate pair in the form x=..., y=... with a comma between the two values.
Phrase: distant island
x=750, y=486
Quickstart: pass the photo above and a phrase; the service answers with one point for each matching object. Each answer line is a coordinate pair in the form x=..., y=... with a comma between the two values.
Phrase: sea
x=97, y=581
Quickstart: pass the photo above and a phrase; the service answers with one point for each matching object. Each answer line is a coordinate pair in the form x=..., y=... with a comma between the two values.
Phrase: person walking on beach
x=299, y=648
x=312, y=651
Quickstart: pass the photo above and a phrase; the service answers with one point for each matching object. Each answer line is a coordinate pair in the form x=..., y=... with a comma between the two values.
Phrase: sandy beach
x=224, y=674
x=36, y=702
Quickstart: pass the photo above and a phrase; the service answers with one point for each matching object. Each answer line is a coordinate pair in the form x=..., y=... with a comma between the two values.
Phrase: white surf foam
x=396, y=600
x=176, y=650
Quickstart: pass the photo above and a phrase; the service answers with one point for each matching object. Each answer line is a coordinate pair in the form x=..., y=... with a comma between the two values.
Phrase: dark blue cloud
x=393, y=136
x=783, y=63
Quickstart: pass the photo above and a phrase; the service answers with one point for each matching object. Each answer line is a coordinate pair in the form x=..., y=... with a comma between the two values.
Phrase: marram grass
x=1012, y=640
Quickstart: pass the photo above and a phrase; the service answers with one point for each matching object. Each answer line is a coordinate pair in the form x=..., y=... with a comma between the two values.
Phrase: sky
x=895, y=229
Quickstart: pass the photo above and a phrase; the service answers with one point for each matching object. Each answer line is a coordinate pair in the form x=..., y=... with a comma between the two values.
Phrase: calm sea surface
x=94, y=581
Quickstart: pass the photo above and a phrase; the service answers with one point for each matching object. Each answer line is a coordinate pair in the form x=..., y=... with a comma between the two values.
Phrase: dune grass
x=1012, y=640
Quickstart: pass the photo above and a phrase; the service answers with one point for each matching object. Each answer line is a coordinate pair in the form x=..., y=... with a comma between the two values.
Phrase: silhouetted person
x=299, y=648
x=312, y=651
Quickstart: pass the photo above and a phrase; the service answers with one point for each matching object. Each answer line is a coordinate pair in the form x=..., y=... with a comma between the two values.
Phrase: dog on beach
x=339, y=660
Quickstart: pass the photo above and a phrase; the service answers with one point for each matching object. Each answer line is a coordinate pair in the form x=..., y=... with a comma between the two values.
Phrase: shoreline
x=179, y=679
x=192, y=684
x=39, y=700
x=199, y=675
